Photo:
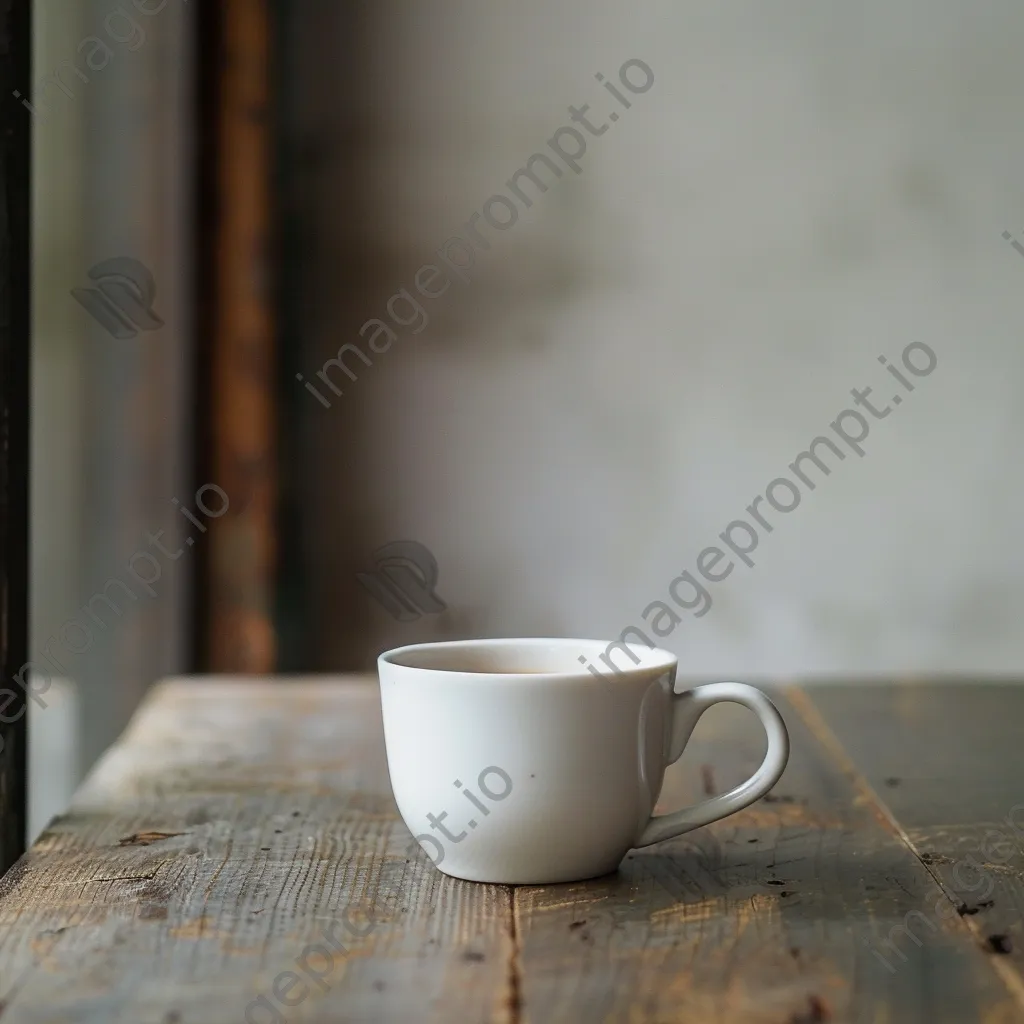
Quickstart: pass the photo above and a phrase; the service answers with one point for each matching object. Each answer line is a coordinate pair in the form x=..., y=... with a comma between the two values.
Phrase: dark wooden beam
x=236, y=589
x=15, y=225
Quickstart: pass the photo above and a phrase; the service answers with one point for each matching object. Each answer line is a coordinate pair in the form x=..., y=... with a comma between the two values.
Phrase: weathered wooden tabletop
x=204, y=872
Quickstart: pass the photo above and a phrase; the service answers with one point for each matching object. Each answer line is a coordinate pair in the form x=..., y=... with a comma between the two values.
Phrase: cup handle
x=687, y=707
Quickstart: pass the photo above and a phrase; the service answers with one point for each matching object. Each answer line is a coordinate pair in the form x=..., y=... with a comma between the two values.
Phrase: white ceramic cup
x=540, y=760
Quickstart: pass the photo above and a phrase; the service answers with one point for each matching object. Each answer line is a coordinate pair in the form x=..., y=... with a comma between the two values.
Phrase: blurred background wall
x=111, y=416
x=805, y=187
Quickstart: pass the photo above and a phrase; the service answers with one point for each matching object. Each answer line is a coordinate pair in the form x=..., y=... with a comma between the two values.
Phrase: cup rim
x=649, y=660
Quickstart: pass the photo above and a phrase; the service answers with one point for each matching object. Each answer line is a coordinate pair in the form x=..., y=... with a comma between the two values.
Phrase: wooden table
x=204, y=869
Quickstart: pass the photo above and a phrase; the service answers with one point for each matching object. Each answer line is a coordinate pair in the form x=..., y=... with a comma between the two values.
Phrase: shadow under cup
x=526, y=761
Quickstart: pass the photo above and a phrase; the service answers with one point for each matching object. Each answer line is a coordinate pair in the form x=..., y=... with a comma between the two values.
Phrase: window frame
x=15, y=298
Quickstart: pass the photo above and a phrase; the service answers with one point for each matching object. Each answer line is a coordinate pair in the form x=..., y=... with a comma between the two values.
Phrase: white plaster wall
x=806, y=186
x=103, y=185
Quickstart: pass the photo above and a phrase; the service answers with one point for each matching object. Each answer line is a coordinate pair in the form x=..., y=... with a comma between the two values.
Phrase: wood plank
x=226, y=833
x=15, y=291
x=948, y=763
x=782, y=913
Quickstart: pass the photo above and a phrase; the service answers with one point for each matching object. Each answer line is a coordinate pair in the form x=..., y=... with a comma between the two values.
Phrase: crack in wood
x=515, y=970
x=147, y=838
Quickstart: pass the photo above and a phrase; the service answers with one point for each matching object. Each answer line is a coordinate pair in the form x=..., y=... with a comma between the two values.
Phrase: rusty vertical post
x=236, y=593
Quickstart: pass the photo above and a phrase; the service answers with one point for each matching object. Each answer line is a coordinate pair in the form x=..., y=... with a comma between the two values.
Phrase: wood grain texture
x=238, y=633
x=773, y=915
x=264, y=812
x=221, y=844
x=948, y=762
